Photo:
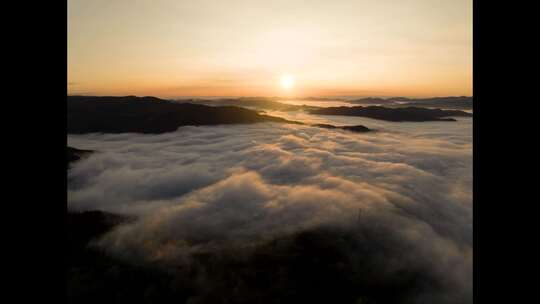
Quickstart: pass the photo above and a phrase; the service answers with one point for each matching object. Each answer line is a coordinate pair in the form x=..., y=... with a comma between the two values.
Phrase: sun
x=287, y=82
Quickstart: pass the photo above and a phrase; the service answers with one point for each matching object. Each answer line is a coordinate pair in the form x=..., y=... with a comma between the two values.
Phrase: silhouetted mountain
x=373, y=100
x=451, y=102
x=88, y=114
x=323, y=98
x=358, y=128
x=400, y=99
x=76, y=154
x=250, y=102
x=393, y=114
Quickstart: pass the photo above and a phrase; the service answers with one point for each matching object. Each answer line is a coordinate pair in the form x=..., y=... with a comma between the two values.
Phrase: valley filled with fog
x=397, y=200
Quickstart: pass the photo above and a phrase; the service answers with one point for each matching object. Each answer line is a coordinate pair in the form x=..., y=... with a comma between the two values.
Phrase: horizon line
x=269, y=97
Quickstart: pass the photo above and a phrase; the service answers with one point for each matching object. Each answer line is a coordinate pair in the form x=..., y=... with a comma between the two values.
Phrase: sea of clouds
x=210, y=189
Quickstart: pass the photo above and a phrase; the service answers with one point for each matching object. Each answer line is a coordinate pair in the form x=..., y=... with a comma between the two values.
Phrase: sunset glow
x=287, y=82
x=236, y=48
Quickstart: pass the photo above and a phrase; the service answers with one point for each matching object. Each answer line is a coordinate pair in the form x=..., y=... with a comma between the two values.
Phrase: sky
x=168, y=48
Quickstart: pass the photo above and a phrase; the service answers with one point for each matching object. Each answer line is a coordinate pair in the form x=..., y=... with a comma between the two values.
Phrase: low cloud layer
x=210, y=190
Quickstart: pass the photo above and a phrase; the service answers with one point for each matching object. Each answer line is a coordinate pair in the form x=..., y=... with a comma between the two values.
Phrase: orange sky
x=170, y=48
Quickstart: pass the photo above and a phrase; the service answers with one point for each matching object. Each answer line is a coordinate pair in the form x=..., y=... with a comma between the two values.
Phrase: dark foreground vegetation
x=413, y=114
x=94, y=277
x=74, y=154
x=324, y=265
